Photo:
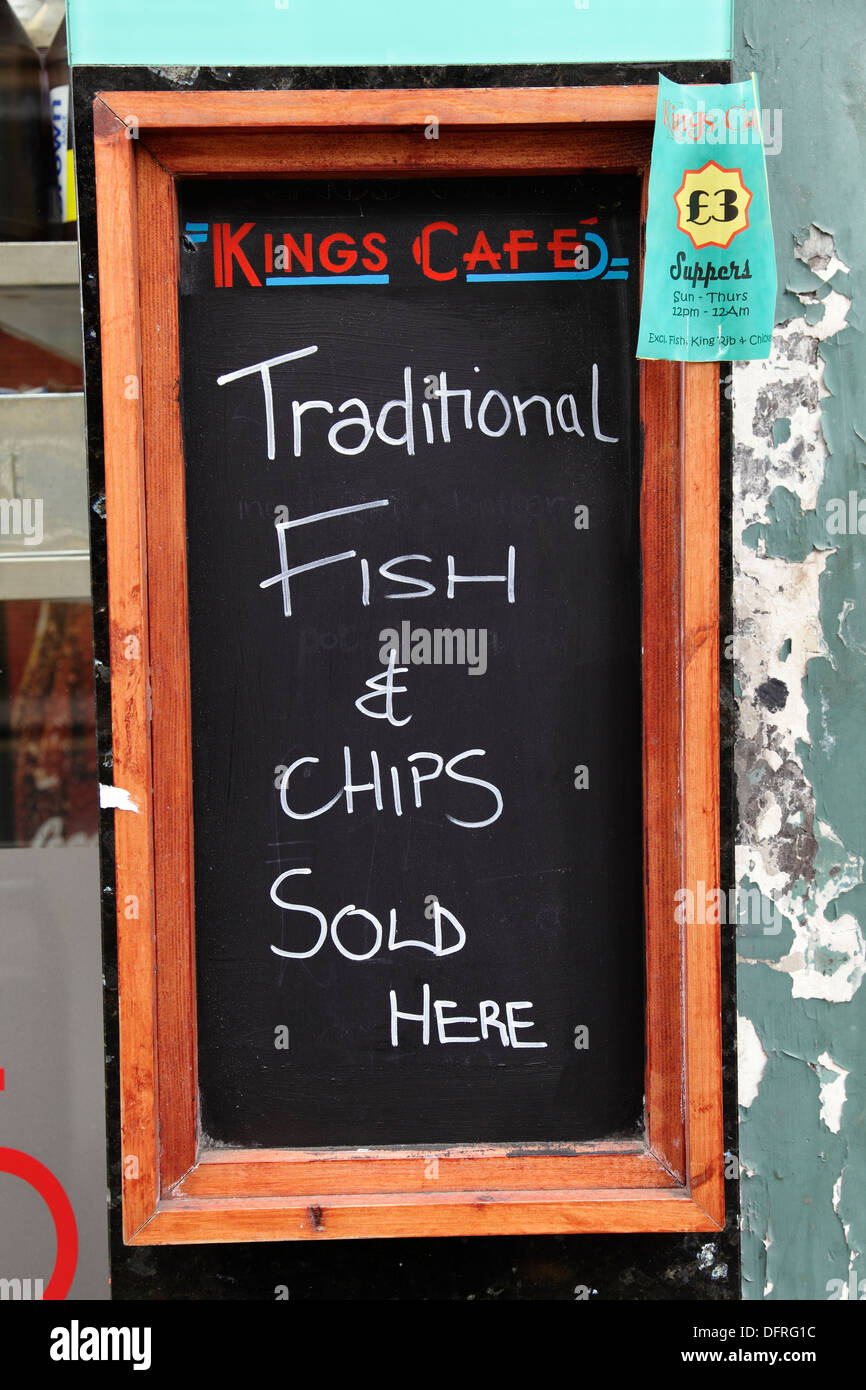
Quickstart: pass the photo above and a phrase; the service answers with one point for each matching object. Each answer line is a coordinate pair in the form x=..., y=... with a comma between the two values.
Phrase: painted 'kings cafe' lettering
x=441, y=251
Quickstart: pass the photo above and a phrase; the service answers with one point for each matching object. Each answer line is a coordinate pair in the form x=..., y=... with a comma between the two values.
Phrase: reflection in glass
x=48, y=785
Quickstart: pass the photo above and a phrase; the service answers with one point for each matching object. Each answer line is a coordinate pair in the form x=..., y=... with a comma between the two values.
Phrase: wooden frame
x=173, y=1189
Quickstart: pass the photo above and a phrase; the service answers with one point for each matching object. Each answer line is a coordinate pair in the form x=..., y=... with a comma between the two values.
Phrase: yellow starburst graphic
x=712, y=205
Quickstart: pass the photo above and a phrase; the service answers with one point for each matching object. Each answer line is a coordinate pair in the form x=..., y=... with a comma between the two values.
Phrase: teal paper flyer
x=709, y=283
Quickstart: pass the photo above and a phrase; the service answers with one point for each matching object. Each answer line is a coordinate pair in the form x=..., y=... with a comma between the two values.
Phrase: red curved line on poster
x=25, y=1166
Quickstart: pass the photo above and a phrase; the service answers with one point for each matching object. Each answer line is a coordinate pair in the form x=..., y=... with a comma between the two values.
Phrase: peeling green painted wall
x=800, y=672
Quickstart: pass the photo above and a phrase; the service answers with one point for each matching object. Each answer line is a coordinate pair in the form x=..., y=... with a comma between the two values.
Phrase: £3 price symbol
x=712, y=205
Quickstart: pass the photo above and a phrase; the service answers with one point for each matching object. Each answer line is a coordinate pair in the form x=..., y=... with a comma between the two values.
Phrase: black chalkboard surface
x=413, y=471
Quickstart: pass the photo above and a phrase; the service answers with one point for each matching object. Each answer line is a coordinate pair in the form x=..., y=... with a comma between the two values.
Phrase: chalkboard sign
x=413, y=480
x=413, y=612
